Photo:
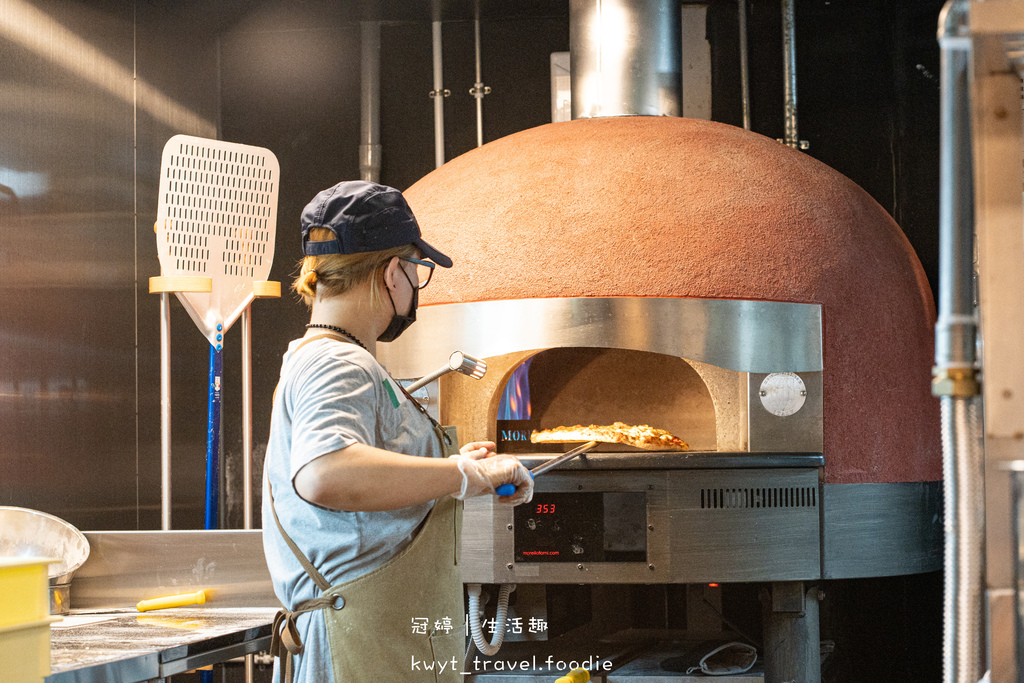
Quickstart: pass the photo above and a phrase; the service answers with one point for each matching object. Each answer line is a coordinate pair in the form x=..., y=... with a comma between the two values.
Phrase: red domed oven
x=709, y=281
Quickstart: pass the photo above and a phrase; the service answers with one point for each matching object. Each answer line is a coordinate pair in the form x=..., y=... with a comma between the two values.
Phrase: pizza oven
x=704, y=280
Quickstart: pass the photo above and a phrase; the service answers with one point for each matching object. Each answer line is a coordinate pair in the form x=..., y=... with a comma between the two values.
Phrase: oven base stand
x=792, y=647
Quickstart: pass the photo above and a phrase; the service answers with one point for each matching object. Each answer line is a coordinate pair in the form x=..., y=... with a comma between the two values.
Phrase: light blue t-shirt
x=333, y=394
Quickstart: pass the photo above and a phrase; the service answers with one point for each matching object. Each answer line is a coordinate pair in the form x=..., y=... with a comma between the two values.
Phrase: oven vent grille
x=776, y=497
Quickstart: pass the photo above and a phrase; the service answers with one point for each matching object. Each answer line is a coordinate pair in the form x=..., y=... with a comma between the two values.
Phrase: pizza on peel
x=641, y=436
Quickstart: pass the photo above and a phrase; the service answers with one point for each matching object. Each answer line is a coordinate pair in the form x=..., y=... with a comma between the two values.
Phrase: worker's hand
x=484, y=475
x=478, y=450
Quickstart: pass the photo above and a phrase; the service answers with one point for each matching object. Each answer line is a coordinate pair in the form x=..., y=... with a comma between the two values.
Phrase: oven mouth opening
x=569, y=386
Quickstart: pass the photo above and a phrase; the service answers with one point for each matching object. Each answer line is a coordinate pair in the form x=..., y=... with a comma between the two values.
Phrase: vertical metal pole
x=370, y=147
x=956, y=327
x=438, y=95
x=744, y=64
x=246, y=419
x=789, y=68
x=955, y=363
x=165, y=411
x=478, y=87
x=792, y=643
x=247, y=440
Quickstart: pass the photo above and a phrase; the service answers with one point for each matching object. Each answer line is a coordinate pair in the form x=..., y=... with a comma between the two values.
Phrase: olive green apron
x=403, y=621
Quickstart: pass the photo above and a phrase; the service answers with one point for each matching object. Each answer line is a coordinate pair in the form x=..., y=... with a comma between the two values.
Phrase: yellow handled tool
x=575, y=676
x=183, y=600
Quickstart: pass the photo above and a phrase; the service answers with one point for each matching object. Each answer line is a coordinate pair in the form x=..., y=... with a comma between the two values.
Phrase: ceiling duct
x=626, y=58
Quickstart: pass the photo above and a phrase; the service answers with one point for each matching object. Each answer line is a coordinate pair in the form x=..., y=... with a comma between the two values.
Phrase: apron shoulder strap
x=449, y=445
x=312, y=571
x=285, y=640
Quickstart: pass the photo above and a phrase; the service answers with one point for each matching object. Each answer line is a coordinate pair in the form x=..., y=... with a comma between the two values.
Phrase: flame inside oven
x=515, y=400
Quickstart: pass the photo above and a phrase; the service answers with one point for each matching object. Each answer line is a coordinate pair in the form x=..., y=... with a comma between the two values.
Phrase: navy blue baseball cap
x=364, y=217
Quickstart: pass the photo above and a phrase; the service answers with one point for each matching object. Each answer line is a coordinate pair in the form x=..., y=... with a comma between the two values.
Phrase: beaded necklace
x=348, y=335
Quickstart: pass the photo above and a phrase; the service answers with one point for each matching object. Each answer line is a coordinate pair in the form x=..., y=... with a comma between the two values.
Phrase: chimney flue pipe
x=626, y=57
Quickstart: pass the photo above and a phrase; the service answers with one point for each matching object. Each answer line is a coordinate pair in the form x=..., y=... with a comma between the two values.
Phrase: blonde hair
x=333, y=274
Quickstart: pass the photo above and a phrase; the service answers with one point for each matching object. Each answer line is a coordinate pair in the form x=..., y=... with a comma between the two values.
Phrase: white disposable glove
x=481, y=476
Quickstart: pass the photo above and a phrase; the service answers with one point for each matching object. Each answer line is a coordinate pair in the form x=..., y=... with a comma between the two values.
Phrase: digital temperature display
x=582, y=527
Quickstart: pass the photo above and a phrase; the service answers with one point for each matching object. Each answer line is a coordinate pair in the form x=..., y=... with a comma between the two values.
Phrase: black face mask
x=400, y=323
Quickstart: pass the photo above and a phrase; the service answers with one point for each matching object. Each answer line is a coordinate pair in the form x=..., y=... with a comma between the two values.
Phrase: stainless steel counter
x=128, y=646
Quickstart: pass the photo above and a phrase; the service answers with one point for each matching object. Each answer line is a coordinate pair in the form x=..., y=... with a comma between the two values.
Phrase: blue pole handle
x=508, y=489
x=213, y=439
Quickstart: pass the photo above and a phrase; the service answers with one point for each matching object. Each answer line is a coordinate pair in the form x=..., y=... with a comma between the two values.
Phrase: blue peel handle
x=508, y=489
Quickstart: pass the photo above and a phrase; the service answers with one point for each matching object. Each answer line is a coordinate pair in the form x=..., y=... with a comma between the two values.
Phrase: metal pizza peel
x=217, y=218
x=215, y=229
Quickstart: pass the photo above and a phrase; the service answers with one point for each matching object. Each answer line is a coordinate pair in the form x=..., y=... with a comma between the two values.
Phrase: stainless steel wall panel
x=177, y=57
x=89, y=93
x=127, y=566
x=67, y=243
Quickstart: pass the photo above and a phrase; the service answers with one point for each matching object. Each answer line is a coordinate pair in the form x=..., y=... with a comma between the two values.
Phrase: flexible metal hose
x=963, y=472
x=949, y=528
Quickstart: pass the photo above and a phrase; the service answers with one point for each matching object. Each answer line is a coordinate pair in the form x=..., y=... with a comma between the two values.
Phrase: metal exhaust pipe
x=792, y=137
x=626, y=58
x=370, y=148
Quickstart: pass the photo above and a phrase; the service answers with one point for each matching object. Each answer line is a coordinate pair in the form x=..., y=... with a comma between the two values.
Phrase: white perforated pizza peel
x=216, y=218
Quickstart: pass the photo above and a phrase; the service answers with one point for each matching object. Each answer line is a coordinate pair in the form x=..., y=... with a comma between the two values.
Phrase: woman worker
x=360, y=507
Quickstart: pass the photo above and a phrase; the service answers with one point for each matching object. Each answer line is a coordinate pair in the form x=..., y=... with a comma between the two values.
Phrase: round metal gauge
x=783, y=393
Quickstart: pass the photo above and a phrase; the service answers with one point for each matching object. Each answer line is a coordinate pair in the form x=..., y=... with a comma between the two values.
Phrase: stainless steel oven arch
x=747, y=336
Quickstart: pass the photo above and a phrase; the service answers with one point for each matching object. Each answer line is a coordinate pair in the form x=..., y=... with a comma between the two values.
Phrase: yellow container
x=24, y=590
x=25, y=651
